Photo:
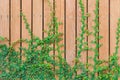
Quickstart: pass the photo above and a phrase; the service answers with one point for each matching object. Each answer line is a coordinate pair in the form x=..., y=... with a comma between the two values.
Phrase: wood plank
x=37, y=18
x=114, y=16
x=48, y=6
x=47, y=13
x=104, y=29
x=15, y=22
x=26, y=9
x=83, y=58
x=91, y=8
x=60, y=16
x=4, y=19
x=70, y=31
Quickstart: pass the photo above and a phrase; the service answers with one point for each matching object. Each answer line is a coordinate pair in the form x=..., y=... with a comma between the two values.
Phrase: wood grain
x=83, y=58
x=60, y=16
x=48, y=7
x=104, y=29
x=70, y=31
x=15, y=22
x=114, y=16
x=37, y=18
x=26, y=10
x=4, y=19
x=108, y=24
x=91, y=8
x=83, y=54
x=47, y=13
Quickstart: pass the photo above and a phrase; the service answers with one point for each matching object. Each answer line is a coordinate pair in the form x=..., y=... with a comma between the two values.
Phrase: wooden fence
x=68, y=12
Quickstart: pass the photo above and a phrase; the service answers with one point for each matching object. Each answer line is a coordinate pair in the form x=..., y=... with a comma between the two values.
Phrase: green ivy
x=37, y=62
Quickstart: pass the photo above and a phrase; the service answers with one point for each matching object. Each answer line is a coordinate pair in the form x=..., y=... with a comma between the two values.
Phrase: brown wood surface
x=104, y=29
x=37, y=18
x=15, y=22
x=114, y=16
x=38, y=15
x=91, y=8
x=48, y=7
x=83, y=54
x=60, y=16
x=70, y=31
x=26, y=9
x=4, y=19
x=59, y=10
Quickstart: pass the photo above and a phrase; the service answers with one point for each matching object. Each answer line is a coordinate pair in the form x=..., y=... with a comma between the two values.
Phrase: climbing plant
x=42, y=59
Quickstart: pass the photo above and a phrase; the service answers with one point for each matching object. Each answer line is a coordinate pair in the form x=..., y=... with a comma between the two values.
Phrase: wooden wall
x=68, y=12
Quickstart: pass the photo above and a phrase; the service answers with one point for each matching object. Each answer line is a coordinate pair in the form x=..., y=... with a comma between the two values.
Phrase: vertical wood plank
x=48, y=6
x=83, y=54
x=91, y=8
x=104, y=29
x=26, y=9
x=15, y=21
x=4, y=19
x=114, y=16
x=37, y=18
x=70, y=31
x=47, y=13
x=83, y=57
x=60, y=16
